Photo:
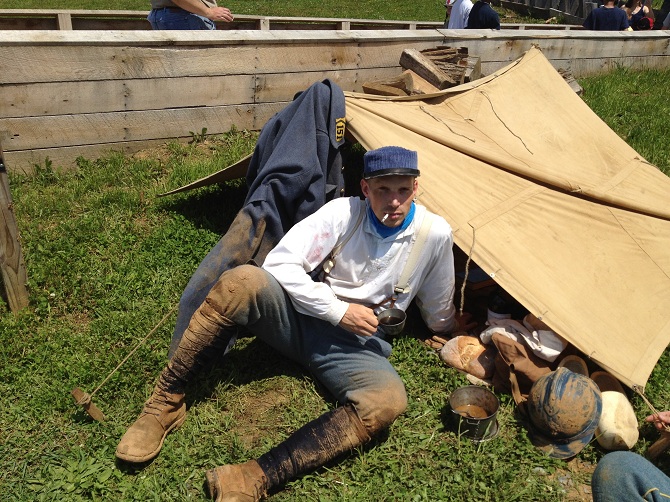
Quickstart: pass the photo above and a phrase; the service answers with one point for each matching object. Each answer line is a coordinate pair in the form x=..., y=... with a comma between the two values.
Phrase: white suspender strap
x=414, y=254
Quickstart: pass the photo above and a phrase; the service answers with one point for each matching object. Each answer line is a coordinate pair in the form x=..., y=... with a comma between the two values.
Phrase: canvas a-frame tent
x=547, y=200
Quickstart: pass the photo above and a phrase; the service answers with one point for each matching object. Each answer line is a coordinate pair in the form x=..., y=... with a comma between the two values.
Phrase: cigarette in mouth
x=384, y=218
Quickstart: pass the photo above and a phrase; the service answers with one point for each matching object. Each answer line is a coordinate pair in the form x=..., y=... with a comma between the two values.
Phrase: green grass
x=634, y=110
x=106, y=260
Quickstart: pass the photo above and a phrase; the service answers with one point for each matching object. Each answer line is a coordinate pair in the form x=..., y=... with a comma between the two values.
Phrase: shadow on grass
x=211, y=208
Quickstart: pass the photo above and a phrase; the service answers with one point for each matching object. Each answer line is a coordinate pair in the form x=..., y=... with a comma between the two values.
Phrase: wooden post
x=64, y=21
x=14, y=277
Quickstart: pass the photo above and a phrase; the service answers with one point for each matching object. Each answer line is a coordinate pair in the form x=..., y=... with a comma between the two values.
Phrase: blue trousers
x=178, y=19
x=354, y=369
x=626, y=476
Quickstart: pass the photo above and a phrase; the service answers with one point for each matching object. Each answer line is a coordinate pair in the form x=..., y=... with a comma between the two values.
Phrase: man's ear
x=365, y=187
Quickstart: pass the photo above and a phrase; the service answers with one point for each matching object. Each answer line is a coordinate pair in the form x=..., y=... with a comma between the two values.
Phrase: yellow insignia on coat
x=340, y=125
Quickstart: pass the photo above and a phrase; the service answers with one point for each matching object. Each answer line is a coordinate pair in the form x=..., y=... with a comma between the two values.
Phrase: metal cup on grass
x=476, y=409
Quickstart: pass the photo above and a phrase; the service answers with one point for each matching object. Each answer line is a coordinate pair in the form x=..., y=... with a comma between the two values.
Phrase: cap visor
x=561, y=449
x=393, y=171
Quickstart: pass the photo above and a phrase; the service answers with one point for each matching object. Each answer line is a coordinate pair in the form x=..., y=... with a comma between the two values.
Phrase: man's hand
x=436, y=341
x=220, y=14
x=359, y=319
x=661, y=421
x=465, y=322
x=213, y=13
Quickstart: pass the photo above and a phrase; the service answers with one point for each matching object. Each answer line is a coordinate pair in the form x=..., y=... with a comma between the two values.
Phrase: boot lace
x=157, y=403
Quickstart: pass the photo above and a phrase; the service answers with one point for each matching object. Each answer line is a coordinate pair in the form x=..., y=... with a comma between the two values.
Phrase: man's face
x=392, y=195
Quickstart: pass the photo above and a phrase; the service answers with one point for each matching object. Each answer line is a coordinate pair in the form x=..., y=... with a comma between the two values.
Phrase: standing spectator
x=482, y=15
x=607, y=18
x=640, y=16
x=187, y=14
x=458, y=12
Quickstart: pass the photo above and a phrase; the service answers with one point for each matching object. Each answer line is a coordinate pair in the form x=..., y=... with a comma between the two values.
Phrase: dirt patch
x=575, y=479
x=257, y=411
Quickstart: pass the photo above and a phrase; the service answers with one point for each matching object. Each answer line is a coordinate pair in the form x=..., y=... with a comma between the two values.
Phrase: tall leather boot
x=207, y=336
x=312, y=446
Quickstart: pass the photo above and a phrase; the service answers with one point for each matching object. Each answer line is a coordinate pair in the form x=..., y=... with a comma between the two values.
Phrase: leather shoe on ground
x=143, y=440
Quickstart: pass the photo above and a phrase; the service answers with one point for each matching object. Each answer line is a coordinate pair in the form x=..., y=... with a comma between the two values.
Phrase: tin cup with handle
x=392, y=321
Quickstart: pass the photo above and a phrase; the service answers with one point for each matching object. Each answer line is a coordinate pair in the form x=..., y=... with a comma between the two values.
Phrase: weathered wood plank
x=283, y=86
x=586, y=67
x=420, y=85
x=414, y=60
x=26, y=64
x=167, y=38
x=64, y=21
x=573, y=46
x=380, y=89
x=72, y=63
x=79, y=97
x=240, y=37
x=94, y=128
x=401, y=81
x=473, y=70
x=12, y=266
x=60, y=98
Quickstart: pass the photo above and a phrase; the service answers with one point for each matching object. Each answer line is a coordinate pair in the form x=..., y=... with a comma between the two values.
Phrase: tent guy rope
x=83, y=399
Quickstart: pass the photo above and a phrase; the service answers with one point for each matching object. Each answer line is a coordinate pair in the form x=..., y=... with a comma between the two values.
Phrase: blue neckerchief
x=382, y=230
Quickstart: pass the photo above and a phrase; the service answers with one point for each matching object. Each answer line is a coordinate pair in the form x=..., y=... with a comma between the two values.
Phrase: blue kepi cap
x=390, y=160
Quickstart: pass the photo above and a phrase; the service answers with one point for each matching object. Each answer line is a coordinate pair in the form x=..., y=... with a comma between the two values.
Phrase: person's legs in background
x=178, y=19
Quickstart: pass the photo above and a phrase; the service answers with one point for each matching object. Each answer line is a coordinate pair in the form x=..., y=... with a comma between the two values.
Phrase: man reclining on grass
x=329, y=327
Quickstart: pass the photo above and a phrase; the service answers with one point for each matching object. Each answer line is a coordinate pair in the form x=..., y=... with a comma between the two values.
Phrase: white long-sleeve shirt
x=460, y=11
x=367, y=268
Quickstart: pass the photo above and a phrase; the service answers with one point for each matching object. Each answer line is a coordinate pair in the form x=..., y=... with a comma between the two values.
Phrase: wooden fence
x=70, y=93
